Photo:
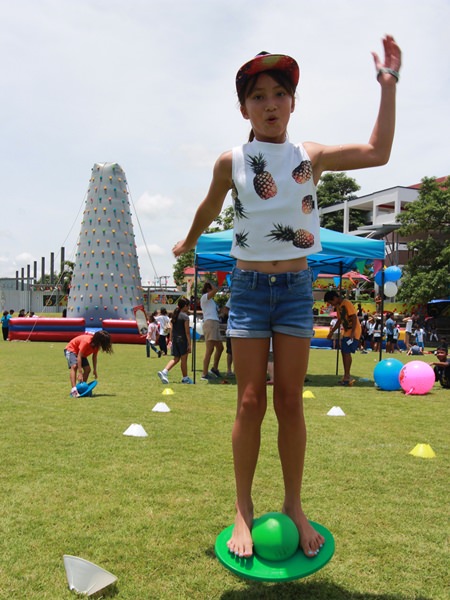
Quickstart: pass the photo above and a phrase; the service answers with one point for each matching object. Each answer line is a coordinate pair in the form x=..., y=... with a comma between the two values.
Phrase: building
x=381, y=210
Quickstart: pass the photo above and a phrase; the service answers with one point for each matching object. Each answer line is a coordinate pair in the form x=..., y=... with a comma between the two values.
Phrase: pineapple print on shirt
x=241, y=239
x=263, y=182
x=239, y=210
x=307, y=204
x=285, y=233
x=274, y=201
x=303, y=172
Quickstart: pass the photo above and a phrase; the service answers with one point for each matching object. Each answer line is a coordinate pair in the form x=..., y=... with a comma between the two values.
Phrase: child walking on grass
x=152, y=338
x=181, y=342
x=276, y=226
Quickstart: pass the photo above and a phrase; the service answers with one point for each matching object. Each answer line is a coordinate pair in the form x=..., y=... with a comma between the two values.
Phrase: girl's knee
x=288, y=405
x=252, y=406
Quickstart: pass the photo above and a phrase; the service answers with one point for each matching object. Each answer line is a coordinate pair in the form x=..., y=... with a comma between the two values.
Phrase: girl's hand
x=392, y=58
x=180, y=248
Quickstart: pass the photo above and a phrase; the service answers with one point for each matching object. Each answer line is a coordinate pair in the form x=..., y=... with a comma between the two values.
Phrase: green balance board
x=255, y=567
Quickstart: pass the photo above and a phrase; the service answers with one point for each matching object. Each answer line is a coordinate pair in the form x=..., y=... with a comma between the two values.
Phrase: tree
x=427, y=222
x=335, y=188
x=223, y=222
x=65, y=277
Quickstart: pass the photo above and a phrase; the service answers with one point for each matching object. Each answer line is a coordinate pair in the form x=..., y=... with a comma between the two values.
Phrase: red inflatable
x=42, y=329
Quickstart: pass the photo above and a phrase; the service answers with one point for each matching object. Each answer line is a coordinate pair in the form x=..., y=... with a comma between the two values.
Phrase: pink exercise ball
x=417, y=377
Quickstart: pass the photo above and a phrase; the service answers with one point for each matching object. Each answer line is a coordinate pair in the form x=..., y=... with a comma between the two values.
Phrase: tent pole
x=380, y=357
x=338, y=345
x=194, y=341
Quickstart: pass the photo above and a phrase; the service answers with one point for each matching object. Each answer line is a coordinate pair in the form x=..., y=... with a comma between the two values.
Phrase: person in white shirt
x=164, y=330
x=211, y=331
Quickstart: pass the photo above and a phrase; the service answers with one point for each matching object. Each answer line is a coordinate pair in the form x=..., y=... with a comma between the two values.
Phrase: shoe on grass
x=347, y=382
x=215, y=372
x=163, y=377
x=186, y=380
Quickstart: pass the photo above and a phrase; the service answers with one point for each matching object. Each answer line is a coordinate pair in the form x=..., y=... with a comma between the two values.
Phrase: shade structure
x=340, y=252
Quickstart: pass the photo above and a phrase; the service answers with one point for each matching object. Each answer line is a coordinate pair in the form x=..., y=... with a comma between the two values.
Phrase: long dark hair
x=280, y=77
x=182, y=303
x=102, y=339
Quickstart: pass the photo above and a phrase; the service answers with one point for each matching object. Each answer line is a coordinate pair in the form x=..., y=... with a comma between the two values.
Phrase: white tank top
x=275, y=203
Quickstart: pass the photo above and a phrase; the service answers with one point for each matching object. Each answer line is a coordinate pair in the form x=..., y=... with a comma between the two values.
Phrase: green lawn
x=149, y=509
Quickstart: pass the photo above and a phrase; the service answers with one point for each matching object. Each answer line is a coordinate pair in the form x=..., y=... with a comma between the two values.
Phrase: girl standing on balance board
x=276, y=226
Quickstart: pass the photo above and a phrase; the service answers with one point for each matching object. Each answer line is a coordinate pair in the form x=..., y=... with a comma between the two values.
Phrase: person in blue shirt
x=390, y=326
x=5, y=324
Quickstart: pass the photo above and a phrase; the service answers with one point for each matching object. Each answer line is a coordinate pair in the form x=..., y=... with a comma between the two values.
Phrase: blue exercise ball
x=386, y=374
x=392, y=274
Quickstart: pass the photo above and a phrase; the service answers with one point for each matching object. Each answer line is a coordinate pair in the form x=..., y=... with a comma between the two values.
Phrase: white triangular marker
x=161, y=407
x=136, y=430
x=336, y=411
x=84, y=577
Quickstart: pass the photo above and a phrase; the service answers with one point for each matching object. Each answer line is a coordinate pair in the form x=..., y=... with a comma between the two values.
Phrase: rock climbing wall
x=106, y=282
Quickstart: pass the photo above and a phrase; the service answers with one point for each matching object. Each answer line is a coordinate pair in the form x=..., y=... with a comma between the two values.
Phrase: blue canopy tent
x=340, y=253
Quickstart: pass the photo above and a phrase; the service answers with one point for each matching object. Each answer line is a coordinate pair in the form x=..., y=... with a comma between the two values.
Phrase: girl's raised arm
x=377, y=151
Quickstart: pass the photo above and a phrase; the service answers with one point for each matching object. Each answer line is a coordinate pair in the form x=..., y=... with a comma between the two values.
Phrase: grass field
x=149, y=509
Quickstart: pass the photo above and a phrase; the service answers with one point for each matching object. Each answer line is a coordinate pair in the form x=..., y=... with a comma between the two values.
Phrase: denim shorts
x=262, y=304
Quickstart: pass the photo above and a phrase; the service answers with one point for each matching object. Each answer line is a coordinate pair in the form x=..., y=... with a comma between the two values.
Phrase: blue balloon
x=386, y=374
x=378, y=277
x=392, y=274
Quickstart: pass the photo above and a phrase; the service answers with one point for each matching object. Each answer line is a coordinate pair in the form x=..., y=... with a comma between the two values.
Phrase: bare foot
x=241, y=543
x=310, y=540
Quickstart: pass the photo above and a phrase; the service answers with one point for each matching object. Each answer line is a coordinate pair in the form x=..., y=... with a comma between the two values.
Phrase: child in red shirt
x=77, y=351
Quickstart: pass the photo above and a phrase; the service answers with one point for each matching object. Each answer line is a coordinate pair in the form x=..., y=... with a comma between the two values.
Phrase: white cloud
x=153, y=205
x=24, y=257
x=150, y=249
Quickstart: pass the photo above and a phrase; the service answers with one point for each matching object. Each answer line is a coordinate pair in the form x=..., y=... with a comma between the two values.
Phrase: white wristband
x=395, y=74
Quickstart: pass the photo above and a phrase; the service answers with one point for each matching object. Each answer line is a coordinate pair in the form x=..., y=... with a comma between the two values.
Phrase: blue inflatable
x=392, y=274
x=378, y=277
x=386, y=374
x=85, y=389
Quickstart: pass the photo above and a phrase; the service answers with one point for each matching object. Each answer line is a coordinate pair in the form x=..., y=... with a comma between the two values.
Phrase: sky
x=149, y=84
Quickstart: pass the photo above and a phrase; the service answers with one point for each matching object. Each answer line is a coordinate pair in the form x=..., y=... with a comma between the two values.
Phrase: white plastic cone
x=161, y=407
x=84, y=577
x=336, y=411
x=136, y=430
